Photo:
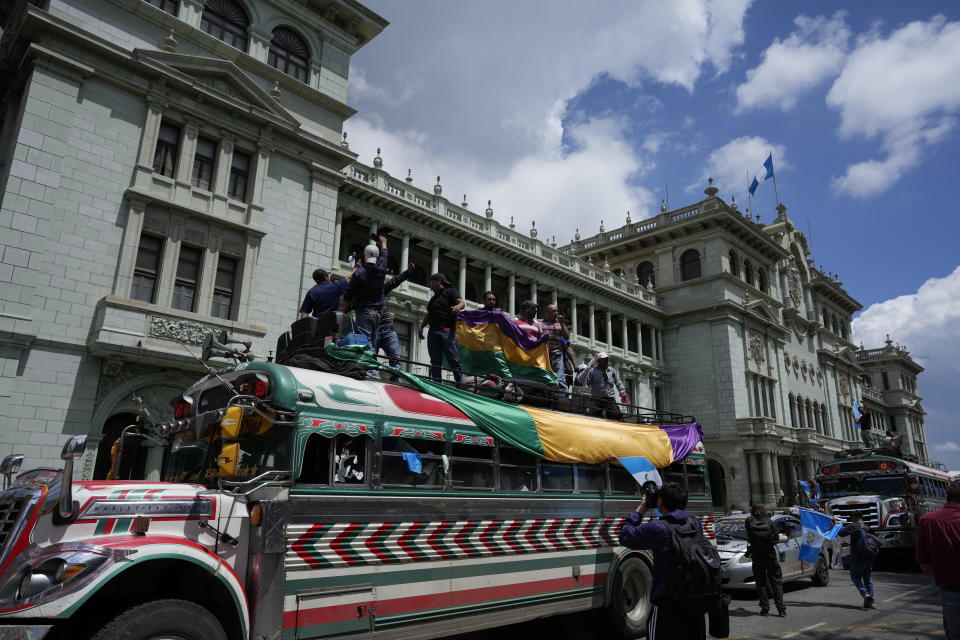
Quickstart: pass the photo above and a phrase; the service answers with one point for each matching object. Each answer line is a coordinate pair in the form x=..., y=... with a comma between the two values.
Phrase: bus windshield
x=886, y=486
x=263, y=447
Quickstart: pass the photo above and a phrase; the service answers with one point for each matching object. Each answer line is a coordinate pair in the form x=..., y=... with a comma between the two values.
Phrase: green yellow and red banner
x=491, y=343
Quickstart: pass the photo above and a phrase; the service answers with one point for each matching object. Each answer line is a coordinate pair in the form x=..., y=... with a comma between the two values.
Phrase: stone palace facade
x=172, y=167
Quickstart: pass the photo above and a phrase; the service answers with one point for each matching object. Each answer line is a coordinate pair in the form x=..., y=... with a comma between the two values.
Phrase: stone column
x=608, y=321
x=512, y=293
x=337, y=235
x=251, y=252
x=487, y=277
x=435, y=259
x=553, y=296
x=462, y=273
x=658, y=334
x=151, y=129
x=188, y=148
x=775, y=466
x=533, y=290
x=208, y=273
x=152, y=465
x=259, y=46
x=623, y=333
x=755, y=476
x=639, y=338
x=224, y=160
x=264, y=151
x=136, y=211
x=374, y=226
x=168, y=268
x=404, y=251
x=574, y=327
x=593, y=322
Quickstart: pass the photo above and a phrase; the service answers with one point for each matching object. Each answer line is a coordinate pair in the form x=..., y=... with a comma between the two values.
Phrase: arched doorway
x=718, y=484
x=134, y=458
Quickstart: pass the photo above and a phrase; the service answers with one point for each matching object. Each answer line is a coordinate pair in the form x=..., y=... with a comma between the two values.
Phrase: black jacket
x=762, y=536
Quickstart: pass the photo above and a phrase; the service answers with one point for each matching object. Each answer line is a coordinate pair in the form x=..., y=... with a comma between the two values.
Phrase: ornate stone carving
x=182, y=330
x=756, y=350
x=113, y=373
x=844, y=387
x=793, y=282
x=786, y=361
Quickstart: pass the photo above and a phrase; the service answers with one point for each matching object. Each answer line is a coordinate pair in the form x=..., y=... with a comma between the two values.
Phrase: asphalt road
x=907, y=604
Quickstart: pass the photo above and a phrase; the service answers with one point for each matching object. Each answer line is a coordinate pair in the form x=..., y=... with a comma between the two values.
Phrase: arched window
x=836, y=327
x=225, y=20
x=646, y=274
x=800, y=413
x=793, y=411
x=843, y=329
x=734, y=263
x=690, y=264
x=748, y=272
x=289, y=53
x=762, y=279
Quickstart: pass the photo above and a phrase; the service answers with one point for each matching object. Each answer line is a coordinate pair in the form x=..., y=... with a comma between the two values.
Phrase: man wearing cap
x=365, y=292
x=441, y=317
x=325, y=295
x=604, y=383
x=527, y=320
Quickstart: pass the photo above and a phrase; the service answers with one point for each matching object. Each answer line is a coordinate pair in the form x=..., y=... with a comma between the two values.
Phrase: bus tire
x=163, y=619
x=626, y=615
x=821, y=574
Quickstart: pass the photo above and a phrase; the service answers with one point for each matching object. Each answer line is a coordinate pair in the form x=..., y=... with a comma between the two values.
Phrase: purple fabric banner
x=683, y=438
x=504, y=323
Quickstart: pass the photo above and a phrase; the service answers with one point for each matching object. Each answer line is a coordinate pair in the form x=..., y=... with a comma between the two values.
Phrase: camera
x=651, y=492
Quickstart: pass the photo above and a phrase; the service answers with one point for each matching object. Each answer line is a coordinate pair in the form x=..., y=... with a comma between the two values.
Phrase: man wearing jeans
x=365, y=293
x=553, y=326
x=861, y=566
x=441, y=317
x=938, y=552
x=387, y=338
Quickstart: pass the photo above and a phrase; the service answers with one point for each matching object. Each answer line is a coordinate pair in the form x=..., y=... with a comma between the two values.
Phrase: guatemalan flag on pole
x=817, y=528
x=766, y=171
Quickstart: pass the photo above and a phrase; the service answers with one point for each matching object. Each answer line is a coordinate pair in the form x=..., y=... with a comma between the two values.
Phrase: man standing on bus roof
x=604, y=383
x=441, y=317
x=866, y=426
x=365, y=293
x=938, y=552
x=325, y=295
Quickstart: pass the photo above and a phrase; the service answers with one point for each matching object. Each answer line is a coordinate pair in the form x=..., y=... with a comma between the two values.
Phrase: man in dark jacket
x=365, y=293
x=669, y=620
x=387, y=338
x=861, y=565
x=763, y=536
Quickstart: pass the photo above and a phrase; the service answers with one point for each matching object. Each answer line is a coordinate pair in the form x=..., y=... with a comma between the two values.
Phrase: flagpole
x=776, y=193
x=749, y=195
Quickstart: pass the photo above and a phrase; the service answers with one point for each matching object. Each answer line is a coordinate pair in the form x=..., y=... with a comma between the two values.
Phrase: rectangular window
x=471, y=467
x=203, y=161
x=591, y=478
x=165, y=155
x=412, y=464
x=518, y=470
x=621, y=481
x=169, y=6
x=556, y=477
x=646, y=336
x=223, y=288
x=239, y=170
x=886, y=381
x=188, y=275
x=147, y=268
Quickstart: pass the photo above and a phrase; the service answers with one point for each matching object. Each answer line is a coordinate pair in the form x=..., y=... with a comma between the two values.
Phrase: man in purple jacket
x=669, y=620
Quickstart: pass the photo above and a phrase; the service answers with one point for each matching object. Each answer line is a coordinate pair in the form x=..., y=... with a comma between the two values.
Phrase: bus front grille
x=11, y=508
x=870, y=512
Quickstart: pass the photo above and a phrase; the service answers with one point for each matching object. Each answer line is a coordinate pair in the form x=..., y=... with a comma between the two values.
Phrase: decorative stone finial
x=590, y=260
x=344, y=143
x=601, y=227
x=512, y=226
x=733, y=203
x=888, y=341
x=606, y=265
x=437, y=188
x=464, y=203
x=649, y=284
x=169, y=43
x=710, y=190
x=781, y=213
x=553, y=242
x=275, y=92
x=629, y=220
x=409, y=177
x=576, y=235
x=378, y=161
x=533, y=229
x=489, y=211
x=663, y=206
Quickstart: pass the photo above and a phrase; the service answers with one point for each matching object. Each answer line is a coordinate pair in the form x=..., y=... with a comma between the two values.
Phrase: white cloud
x=902, y=90
x=735, y=163
x=949, y=445
x=810, y=55
x=926, y=323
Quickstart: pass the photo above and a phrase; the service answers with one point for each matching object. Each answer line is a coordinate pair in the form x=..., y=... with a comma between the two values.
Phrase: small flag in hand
x=817, y=528
x=857, y=414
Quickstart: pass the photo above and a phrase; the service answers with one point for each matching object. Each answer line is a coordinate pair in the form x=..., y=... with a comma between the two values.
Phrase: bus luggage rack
x=303, y=346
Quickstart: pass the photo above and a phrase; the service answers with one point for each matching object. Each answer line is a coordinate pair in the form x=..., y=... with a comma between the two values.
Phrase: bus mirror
x=229, y=460
x=9, y=466
x=230, y=423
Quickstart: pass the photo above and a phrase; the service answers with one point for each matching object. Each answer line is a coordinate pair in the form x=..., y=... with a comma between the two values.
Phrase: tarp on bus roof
x=551, y=435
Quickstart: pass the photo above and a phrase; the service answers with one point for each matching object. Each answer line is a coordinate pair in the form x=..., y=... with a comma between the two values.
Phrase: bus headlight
x=49, y=574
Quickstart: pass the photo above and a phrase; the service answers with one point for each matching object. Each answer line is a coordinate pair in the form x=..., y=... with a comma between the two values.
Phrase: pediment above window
x=218, y=78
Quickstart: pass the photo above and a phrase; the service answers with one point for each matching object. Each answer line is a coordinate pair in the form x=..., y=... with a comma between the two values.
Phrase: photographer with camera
x=686, y=569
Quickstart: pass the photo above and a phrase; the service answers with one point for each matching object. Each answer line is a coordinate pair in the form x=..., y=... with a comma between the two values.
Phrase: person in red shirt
x=938, y=552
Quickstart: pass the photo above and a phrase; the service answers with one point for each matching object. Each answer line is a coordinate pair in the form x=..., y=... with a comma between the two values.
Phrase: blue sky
x=565, y=114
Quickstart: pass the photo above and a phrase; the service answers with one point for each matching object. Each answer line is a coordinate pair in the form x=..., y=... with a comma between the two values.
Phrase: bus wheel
x=821, y=575
x=626, y=617
x=163, y=620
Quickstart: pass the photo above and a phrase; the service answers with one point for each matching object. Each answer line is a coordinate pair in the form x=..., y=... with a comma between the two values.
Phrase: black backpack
x=694, y=580
x=867, y=545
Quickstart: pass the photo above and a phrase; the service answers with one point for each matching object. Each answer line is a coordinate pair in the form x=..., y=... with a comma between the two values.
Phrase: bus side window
x=674, y=473
x=696, y=480
x=350, y=460
x=591, y=478
x=622, y=482
x=518, y=470
x=412, y=464
x=316, y=461
x=556, y=476
x=471, y=467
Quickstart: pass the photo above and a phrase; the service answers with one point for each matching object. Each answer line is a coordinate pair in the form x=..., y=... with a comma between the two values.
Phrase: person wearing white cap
x=605, y=384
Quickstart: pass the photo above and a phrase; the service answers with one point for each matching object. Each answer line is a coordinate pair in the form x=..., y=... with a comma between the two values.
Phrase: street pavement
x=907, y=608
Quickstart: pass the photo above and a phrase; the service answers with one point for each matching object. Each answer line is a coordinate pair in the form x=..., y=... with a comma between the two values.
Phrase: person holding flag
x=861, y=415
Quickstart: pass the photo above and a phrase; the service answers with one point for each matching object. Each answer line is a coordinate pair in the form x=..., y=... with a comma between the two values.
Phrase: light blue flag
x=641, y=469
x=766, y=170
x=817, y=528
x=857, y=413
x=414, y=463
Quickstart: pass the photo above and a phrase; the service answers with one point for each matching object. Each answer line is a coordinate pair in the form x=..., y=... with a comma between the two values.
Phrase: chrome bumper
x=24, y=631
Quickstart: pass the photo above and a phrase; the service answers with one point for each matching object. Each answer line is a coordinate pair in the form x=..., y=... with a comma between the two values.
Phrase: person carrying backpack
x=686, y=568
x=763, y=537
x=864, y=549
